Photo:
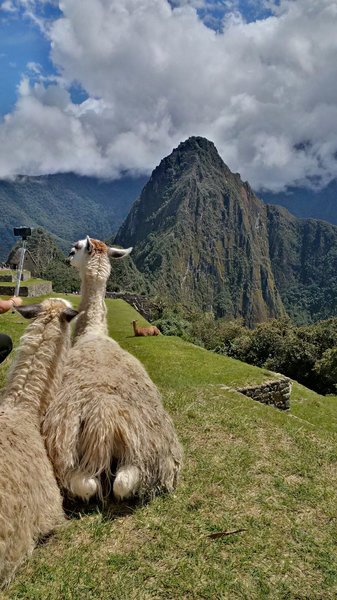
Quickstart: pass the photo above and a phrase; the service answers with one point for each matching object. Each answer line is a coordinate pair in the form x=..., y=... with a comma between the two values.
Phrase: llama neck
x=92, y=308
x=36, y=371
x=134, y=327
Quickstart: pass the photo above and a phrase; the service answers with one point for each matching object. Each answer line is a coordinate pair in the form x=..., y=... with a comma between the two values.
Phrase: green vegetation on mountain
x=203, y=238
x=66, y=205
x=303, y=253
x=50, y=261
x=125, y=277
x=196, y=232
x=307, y=353
x=52, y=264
x=249, y=468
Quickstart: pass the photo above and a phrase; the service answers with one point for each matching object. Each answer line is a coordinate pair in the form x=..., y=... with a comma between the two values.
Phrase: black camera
x=23, y=232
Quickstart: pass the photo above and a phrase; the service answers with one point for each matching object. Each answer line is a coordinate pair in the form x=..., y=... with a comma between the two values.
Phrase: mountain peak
x=197, y=155
x=196, y=143
x=191, y=217
x=198, y=148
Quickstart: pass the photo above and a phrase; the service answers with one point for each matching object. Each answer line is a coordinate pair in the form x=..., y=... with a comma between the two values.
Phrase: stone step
x=7, y=275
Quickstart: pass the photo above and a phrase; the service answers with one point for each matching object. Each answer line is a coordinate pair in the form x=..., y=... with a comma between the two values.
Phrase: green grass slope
x=269, y=475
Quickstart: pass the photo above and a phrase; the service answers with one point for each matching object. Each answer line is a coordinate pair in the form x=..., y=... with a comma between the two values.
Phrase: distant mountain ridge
x=307, y=204
x=67, y=205
x=202, y=237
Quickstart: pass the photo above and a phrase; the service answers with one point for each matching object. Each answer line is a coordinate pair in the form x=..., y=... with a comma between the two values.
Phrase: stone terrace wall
x=275, y=392
x=28, y=291
x=5, y=275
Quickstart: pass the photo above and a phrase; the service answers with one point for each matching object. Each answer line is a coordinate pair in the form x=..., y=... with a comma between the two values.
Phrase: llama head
x=48, y=310
x=49, y=328
x=48, y=336
x=91, y=257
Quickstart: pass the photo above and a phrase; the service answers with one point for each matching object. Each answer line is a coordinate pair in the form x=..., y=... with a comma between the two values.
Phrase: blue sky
x=25, y=51
x=21, y=42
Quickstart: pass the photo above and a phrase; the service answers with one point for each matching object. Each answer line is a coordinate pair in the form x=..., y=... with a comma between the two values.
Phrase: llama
x=107, y=423
x=30, y=500
x=144, y=331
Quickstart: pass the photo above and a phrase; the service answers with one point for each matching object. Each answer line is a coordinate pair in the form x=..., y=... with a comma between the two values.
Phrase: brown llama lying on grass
x=144, y=331
x=30, y=500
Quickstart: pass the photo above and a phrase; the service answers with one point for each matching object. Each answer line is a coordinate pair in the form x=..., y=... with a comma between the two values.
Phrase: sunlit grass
x=248, y=467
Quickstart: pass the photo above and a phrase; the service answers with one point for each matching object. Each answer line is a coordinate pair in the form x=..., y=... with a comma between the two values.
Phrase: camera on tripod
x=22, y=232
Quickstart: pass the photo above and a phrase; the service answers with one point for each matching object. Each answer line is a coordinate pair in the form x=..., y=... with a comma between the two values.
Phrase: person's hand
x=16, y=301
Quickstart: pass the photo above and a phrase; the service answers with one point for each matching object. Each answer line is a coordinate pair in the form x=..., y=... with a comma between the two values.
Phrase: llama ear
x=69, y=314
x=30, y=311
x=88, y=245
x=119, y=252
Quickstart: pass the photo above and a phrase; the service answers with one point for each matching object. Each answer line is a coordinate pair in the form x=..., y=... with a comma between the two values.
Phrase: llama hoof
x=126, y=482
x=83, y=487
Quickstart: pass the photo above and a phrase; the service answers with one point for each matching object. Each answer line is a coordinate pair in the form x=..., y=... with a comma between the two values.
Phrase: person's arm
x=6, y=305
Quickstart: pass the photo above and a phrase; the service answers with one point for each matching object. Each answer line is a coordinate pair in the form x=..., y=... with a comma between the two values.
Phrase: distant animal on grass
x=144, y=331
x=30, y=500
x=107, y=423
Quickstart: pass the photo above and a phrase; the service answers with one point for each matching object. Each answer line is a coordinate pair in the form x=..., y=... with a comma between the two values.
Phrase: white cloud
x=34, y=67
x=264, y=92
x=7, y=6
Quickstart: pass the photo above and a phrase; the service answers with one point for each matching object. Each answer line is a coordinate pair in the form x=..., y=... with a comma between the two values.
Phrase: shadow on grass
x=110, y=509
x=45, y=539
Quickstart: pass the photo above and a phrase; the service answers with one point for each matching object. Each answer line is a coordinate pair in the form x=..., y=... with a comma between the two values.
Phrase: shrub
x=326, y=371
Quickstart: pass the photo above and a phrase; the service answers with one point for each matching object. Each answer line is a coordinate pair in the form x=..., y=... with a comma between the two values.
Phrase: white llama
x=107, y=422
x=30, y=500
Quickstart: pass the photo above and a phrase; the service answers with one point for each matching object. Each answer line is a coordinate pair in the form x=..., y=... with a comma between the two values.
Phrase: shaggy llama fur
x=30, y=500
x=107, y=422
x=144, y=331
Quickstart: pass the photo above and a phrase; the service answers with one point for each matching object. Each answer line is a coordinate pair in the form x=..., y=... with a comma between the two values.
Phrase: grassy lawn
x=248, y=467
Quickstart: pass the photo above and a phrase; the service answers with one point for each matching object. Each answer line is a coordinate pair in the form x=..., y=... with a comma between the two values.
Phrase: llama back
x=111, y=368
x=114, y=413
x=30, y=500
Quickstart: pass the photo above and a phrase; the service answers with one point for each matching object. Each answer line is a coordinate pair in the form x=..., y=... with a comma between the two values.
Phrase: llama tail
x=102, y=445
x=62, y=430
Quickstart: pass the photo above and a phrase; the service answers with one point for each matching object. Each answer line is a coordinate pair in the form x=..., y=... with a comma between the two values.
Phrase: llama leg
x=82, y=486
x=126, y=483
x=170, y=474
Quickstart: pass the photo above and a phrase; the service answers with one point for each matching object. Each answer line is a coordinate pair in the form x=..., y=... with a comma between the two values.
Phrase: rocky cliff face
x=201, y=236
x=303, y=254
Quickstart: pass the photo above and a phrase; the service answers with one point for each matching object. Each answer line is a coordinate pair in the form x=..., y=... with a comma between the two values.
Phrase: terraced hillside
x=267, y=475
x=29, y=286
